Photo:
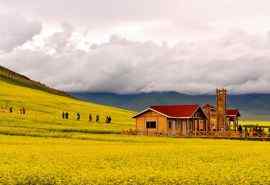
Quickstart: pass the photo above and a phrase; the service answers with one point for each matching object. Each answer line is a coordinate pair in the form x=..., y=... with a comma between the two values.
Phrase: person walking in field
x=23, y=111
x=240, y=130
x=11, y=109
x=63, y=115
x=97, y=118
x=66, y=115
x=90, y=117
x=78, y=116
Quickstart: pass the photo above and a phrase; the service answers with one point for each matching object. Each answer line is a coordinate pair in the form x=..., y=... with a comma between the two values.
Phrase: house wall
x=213, y=120
x=151, y=116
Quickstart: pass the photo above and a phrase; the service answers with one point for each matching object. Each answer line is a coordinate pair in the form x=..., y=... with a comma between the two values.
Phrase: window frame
x=148, y=124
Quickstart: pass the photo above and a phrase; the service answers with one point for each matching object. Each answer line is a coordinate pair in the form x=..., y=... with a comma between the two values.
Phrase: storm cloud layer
x=198, y=55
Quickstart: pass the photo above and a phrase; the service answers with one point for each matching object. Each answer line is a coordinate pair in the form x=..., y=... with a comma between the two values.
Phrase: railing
x=191, y=133
x=202, y=134
x=215, y=134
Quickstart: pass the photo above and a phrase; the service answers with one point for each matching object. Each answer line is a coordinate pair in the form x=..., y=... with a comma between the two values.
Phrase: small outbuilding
x=232, y=116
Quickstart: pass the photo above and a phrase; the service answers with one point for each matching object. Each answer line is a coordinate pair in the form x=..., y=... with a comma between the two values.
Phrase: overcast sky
x=129, y=46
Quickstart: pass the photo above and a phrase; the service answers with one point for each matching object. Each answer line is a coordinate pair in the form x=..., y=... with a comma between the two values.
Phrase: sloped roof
x=232, y=112
x=173, y=111
x=229, y=112
x=205, y=106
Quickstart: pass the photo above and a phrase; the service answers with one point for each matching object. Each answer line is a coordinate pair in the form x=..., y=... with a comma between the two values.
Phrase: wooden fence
x=207, y=134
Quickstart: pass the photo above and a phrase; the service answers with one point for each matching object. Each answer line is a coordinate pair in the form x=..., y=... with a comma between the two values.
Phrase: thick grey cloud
x=15, y=30
x=208, y=44
x=238, y=61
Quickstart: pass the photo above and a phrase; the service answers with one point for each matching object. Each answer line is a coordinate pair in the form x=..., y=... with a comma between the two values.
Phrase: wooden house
x=171, y=120
x=189, y=120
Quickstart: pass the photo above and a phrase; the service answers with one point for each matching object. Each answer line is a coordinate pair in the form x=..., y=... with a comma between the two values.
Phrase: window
x=151, y=124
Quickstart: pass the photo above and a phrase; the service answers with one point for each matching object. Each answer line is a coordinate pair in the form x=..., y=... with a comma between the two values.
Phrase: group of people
x=239, y=129
x=22, y=110
x=65, y=115
x=108, y=119
x=91, y=118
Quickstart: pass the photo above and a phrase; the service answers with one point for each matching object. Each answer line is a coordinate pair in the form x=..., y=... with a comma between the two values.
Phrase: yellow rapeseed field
x=116, y=159
x=42, y=148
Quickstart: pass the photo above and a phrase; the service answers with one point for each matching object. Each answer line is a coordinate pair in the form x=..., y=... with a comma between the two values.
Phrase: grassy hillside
x=44, y=114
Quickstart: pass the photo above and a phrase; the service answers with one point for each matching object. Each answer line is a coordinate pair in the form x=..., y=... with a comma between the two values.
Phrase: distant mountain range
x=255, y=106
x=251, y=106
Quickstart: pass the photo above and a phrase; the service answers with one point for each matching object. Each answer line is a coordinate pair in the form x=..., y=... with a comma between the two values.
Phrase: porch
x=186, y=127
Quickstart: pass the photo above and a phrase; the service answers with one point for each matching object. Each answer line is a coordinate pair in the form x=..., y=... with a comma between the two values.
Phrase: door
x=184, y=127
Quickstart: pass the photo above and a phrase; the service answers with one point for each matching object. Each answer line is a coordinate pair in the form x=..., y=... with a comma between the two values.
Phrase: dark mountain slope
x=256, y=106
x=18, y=79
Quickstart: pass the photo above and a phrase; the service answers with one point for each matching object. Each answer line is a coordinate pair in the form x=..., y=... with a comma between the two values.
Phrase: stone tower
x=221, y=108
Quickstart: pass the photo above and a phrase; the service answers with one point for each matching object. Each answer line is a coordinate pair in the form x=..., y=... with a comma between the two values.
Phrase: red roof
x=176, y=111
x=232, y=112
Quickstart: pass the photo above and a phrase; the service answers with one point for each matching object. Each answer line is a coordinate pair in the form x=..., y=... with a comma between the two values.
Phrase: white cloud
x=238, y=61
x=15, y=30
